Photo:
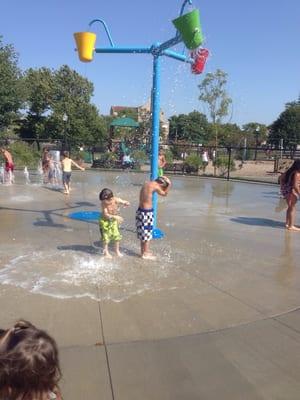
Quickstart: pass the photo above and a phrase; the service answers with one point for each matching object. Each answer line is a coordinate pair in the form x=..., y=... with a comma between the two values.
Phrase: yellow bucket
x=85, y=43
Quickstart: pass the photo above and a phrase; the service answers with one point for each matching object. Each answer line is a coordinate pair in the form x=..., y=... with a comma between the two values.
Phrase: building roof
x=117, y=109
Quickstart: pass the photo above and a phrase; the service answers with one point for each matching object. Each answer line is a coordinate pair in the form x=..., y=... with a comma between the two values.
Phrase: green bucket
x=190, y=29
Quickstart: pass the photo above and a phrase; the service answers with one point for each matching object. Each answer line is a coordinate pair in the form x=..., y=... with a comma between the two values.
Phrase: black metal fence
x=250, y=163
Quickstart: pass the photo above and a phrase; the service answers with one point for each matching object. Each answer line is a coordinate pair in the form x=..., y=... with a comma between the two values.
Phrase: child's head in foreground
x=29, y=364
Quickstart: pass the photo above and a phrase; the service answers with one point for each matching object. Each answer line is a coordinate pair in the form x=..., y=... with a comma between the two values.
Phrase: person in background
x=161, y=163
x=290, y=189
x=126, y=161
x=204, y=159
x=45, y=164
x=66, y=165
x=29, y=364
x=9, y=165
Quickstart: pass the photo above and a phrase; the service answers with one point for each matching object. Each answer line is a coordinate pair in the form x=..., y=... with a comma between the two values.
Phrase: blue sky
x=255, y=42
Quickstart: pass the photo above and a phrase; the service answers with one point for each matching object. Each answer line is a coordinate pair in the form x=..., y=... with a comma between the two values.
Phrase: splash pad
x=204, y=297
x=190, y=33
x=209, y=226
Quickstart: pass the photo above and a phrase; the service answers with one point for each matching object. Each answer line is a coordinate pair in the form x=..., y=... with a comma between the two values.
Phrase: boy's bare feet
x=107, y=254
x=119, y=254
x=148, y=256
x=293, y=228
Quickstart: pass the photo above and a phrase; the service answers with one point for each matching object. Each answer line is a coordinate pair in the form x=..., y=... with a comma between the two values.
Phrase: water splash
x=69, y=274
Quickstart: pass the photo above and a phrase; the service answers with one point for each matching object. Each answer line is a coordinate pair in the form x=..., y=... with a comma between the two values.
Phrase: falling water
x=26, y=175
x=2, y=174
x=40, y=173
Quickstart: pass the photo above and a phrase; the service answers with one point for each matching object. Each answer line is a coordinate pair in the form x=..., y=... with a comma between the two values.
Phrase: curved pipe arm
x=181, y=12
x=106, y=30
x=183, y=6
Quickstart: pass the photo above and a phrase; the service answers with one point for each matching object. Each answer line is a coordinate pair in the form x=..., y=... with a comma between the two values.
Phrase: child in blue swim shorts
x=110, y=220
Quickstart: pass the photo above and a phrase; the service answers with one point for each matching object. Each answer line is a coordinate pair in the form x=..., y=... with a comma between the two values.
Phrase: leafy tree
x=71, y=97
x=213, y=93
x=230, y=135
x=287, y=126
x=255, y=133
x=192, y=127
x=39, y=89
x=11, y=88
x=24, y=155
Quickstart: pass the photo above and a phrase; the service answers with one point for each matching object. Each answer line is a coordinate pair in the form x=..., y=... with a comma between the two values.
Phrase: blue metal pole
x=177, y=56
x=124, y=50
x=155, y=128
x=169, y=43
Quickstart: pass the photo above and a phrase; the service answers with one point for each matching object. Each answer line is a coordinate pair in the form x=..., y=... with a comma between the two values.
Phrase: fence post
x=276, y=162
x=229, y=162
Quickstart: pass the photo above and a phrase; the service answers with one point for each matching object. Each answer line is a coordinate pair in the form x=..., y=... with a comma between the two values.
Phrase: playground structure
x=188, y=31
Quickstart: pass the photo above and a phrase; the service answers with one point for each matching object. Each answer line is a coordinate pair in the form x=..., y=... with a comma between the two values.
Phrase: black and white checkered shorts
x=144, y=223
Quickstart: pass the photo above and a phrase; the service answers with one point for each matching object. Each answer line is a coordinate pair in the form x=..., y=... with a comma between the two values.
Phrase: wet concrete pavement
x=216, y=316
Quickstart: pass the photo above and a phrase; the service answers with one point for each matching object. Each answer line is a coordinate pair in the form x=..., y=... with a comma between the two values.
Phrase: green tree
x=192, y=127
x=287, y=126
x=213, y=93
x=255, y=133
x=230, y=135
x=11, y=88
x=39, y=90
x=71, y=97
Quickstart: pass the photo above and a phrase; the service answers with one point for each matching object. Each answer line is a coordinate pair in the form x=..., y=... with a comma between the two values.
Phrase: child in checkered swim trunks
x=144, y=214
x=109, y=221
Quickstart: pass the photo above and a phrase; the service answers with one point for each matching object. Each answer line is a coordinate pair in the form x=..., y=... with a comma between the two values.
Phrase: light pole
x=65, y=119
x=245, y=150
x=281, y=147
x=257, y=129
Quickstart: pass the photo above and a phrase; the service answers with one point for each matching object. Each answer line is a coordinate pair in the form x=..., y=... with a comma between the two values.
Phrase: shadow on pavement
x=258, y=222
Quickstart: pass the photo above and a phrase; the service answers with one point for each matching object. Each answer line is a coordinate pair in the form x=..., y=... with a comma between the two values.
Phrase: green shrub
x=169, y=156
x=176, y=152
x=192, y=163
x=139, y=156
x=24, y=155
x=108, y=160
x=221, y=163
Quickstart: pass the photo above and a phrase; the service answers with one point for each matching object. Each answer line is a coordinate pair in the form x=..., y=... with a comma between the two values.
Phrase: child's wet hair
x=29, y=363
x=295, y=167
x=106, y=194
x=162, y=181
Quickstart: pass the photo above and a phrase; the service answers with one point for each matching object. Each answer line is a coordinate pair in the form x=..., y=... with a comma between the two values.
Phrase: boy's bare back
x=147, y=191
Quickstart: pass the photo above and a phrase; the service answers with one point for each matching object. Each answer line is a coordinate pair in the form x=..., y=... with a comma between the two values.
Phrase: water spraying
x=26, y=175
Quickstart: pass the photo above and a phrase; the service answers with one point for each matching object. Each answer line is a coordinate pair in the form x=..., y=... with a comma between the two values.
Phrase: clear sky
x=256, y=42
